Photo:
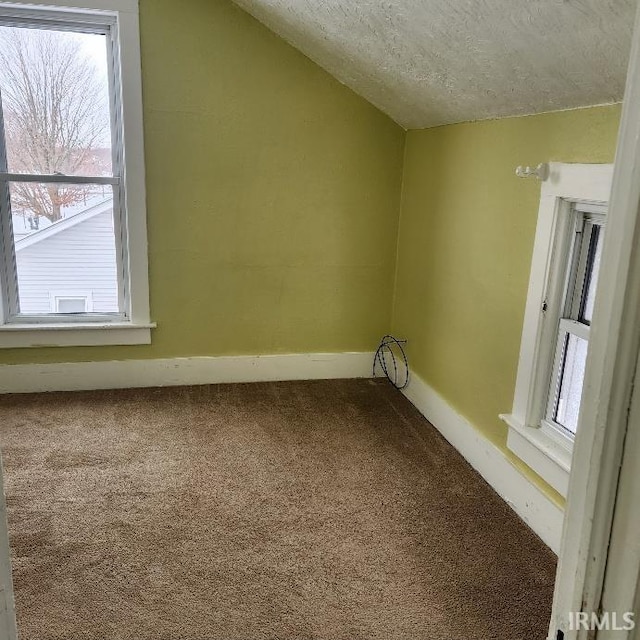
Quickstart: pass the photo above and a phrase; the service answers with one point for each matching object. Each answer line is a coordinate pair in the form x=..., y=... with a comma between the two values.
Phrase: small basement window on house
x=72, y=216
x=560, y=303
x=69, y=304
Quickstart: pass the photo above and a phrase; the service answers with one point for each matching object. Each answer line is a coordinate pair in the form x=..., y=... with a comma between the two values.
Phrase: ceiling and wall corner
x=432, y=62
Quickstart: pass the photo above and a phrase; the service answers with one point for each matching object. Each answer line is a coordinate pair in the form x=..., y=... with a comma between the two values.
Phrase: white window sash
x=578, y=274
x=566, y=327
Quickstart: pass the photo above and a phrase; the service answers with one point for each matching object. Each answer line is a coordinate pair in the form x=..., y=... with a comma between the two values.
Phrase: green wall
x=466, y=236
x=273, y=195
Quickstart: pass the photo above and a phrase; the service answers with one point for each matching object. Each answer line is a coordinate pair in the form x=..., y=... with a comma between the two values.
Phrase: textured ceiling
x=431, y=62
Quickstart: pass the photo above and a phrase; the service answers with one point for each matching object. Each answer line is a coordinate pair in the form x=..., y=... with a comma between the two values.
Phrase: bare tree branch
x=56, y=116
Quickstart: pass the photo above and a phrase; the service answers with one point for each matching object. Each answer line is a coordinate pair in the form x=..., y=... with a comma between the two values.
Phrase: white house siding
x=80, y=260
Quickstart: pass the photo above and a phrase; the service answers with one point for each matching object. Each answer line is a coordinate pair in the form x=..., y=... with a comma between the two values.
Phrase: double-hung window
x=72, y=200
x=572, y=341
x=555, y=339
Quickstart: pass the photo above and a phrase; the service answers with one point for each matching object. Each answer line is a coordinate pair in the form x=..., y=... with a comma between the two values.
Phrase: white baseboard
x=529, y=502
x=118, y=374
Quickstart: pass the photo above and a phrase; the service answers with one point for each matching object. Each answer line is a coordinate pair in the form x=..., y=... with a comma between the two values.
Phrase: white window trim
x=136, y=328
x=543, y=448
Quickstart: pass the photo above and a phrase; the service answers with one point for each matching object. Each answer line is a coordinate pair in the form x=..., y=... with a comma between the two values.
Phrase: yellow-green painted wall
x=464, y=250
x=273, y=195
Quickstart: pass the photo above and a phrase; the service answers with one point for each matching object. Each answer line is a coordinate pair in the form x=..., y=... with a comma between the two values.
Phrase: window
x=72, y=213
x=567, y=377
x=71, y=303
x=560, y=302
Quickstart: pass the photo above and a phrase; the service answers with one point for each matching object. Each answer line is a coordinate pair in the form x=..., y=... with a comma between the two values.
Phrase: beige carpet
x=280, y=511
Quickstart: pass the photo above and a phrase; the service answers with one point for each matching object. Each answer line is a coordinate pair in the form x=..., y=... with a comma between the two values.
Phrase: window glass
x=54, y=96
x=77, y=252
x=571, y=382
x=71, y=305
x=55, y=101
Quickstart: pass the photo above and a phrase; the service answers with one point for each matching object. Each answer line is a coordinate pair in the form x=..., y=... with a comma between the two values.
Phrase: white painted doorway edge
x=610, y=375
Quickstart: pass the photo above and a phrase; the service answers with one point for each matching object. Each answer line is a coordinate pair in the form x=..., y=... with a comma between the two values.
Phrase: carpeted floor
x=277, y=511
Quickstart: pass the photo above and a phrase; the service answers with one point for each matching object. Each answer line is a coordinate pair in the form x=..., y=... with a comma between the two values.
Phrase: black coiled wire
x=386, y=355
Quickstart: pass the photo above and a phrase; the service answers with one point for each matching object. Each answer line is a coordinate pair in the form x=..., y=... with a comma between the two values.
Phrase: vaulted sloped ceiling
x=431, y=62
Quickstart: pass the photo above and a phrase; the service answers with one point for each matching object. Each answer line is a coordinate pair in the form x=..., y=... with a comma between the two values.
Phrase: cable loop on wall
x=385, y=360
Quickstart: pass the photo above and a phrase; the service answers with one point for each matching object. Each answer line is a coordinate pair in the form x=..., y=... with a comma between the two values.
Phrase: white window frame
x=133, y=325
x=547, y=450
x=576, y=267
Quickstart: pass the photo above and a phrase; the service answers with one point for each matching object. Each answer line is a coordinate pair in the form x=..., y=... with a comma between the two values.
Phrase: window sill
x=550, y=460
x=13, y=336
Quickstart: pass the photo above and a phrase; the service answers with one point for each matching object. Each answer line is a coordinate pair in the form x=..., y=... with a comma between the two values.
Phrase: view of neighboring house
x=69, y=266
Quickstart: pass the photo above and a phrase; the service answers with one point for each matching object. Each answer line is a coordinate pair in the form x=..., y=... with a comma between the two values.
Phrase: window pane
x=55, y=102
x=571, y=381
x=591, y=279
x=64, y=242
